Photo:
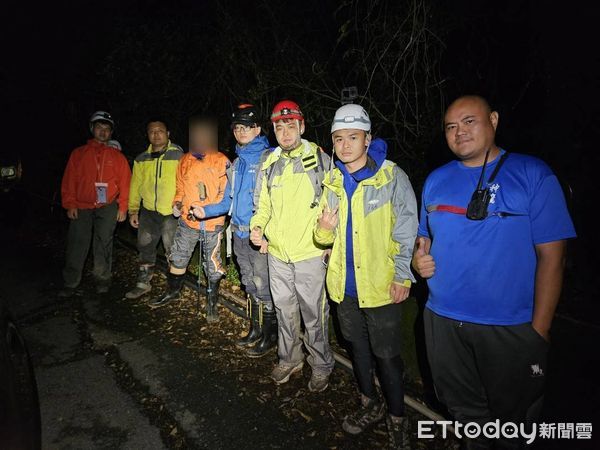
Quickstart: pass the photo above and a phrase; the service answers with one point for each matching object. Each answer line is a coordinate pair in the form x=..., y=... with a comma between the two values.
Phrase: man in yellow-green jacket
x=288, y=189
x=150, y=201
x=369, y=214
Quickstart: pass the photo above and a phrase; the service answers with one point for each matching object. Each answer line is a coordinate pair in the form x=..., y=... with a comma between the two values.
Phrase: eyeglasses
x=245, y=128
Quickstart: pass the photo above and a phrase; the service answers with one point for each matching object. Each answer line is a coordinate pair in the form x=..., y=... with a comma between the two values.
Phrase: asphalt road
x=81, y=403
x=112, y=373
x=105, y=381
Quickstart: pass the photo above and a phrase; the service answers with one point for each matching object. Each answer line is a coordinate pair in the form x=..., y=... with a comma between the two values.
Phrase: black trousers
x=486, y=372
x=95, y=225
x=375, y=334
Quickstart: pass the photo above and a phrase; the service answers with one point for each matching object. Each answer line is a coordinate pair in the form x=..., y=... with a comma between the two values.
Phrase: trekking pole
x=205, y=251
x=199, y=275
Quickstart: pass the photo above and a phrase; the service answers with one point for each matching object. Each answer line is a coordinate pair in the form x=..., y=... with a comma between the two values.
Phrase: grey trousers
x=185, y=241
x=299, y=295
x=96, y=225
x=254, y=269
x=154, y=227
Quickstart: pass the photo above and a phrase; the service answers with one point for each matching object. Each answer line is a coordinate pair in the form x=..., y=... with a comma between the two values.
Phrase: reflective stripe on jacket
x=153, y=180
x=384, y=224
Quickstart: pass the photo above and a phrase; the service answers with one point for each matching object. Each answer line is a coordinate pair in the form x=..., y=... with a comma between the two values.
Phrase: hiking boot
x=370, y=412
x=66, y=292
x=268, y=342
x=255, y=332
x=282, y=372
x=142, y=286
x=398, y=433
x=319, y=381
x=174, y=284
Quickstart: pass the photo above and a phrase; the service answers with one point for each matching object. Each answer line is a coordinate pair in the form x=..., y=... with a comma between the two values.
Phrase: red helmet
x=286, y=109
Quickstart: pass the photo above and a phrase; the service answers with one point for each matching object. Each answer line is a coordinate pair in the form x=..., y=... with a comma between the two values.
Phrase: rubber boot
x=255, y=332
x=212, y=299
x=174, y=284
x=268, y=342
x=145, y=274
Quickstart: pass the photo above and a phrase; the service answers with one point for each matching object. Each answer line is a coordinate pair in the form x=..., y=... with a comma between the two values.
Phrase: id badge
x=101, y=189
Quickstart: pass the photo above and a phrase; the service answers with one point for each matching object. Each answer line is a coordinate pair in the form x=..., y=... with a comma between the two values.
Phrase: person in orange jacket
x=95, y=192
x=202, y=200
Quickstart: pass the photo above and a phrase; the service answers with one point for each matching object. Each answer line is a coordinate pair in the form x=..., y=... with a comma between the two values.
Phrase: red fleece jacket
x=91, y=163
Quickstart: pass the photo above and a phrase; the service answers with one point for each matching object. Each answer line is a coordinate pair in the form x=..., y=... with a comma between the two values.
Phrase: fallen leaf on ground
x=304, y=416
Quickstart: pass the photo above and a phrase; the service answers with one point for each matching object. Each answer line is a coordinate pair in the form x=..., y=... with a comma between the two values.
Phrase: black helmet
x=245, y=114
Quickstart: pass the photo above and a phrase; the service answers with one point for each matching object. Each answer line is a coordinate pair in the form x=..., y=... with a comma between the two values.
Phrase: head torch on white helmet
x=101, y=116
x=351, y=117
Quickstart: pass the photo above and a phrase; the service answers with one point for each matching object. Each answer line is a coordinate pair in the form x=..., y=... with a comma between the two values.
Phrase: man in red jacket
x=95, y=191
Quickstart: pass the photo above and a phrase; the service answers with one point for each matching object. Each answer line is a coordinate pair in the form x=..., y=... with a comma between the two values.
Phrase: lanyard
x=100, y=167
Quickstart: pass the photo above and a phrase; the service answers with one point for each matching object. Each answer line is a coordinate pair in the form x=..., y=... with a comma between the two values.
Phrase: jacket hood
x=378, y=151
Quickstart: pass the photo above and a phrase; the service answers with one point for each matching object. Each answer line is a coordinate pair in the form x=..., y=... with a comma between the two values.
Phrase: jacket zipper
x=156, y=185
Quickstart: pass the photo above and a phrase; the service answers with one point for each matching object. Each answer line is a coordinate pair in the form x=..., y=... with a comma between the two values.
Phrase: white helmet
x=114, y=144
x=101, y=116
x=351, y=117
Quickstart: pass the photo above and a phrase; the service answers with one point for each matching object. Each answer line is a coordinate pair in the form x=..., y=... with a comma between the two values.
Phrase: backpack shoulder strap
x=263, y=171
x=316, y=173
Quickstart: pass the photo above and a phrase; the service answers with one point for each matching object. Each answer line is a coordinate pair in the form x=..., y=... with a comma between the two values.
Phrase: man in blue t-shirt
x=494, y=262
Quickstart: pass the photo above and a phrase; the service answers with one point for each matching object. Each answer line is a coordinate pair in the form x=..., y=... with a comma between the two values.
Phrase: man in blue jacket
x=252, y=260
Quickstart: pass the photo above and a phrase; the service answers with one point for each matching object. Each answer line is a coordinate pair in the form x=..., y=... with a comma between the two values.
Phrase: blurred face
x=470, y=129
x=102, y=132
x=289, y=133
x=350, y=147
x=203, y=138
x=158, y=135
x=244, y=134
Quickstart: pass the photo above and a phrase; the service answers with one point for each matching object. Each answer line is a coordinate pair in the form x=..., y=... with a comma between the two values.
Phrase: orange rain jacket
x=201, y=182
x=91, y=163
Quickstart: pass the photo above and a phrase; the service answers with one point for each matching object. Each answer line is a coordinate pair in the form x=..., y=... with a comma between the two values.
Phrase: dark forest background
x=537, y=62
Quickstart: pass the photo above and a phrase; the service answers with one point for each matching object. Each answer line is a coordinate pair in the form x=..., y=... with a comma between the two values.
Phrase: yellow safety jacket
x=384, y=226
x=153, y=180
x=287, y=191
